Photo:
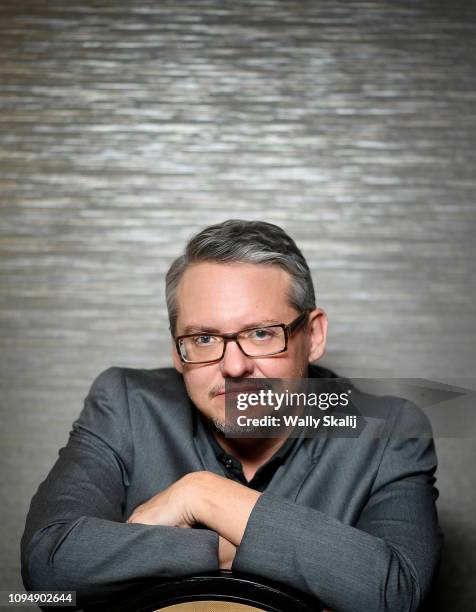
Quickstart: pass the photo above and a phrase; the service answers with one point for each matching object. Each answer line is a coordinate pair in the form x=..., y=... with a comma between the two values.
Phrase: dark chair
x=222, y=591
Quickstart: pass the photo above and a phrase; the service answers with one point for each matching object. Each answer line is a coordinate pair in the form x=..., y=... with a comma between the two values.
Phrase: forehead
x=228, y=297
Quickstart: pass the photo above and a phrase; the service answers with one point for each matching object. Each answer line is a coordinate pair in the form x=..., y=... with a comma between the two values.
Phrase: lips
x=239, y=389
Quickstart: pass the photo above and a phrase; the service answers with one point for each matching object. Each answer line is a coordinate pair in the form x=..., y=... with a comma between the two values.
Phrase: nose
x=235, y=363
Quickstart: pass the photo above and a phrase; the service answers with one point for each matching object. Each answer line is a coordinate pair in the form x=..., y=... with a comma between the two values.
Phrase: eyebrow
x=198, y=329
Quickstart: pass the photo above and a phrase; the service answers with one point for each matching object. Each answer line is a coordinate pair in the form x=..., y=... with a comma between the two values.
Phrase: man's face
x=226, y=298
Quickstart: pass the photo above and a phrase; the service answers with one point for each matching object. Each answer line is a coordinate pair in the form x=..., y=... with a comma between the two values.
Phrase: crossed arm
x=220, y=504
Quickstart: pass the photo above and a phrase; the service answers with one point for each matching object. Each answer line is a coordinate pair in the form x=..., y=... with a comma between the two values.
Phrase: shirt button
x=228, y=464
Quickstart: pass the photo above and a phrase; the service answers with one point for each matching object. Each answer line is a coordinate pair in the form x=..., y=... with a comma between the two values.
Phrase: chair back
x=222, y=591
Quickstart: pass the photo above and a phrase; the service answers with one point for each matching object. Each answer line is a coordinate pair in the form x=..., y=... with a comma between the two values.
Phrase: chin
x=231, y=429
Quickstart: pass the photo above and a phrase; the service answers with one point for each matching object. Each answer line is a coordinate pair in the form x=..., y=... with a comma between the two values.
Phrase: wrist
x=196, y=495
x=226, y=553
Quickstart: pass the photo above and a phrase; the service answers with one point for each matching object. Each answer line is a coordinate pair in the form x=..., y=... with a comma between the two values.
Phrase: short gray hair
x=236, y=240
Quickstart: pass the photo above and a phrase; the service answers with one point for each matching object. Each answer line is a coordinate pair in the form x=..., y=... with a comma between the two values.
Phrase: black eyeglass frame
x=288, y=328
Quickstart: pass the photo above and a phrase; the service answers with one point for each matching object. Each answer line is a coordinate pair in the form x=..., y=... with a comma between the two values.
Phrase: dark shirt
x=234, y=468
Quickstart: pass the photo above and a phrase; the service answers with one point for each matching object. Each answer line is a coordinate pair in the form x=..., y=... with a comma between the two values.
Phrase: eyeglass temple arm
x=292, y=327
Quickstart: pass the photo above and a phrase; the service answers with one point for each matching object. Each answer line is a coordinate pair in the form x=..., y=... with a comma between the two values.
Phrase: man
x=349, y=520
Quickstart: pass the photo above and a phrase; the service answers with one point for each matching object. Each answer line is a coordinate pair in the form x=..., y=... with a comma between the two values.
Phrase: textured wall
x=128, y=126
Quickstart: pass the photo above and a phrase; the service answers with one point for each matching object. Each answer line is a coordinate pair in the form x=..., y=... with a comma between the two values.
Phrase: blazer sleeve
x=385, y=562
x=75, y=536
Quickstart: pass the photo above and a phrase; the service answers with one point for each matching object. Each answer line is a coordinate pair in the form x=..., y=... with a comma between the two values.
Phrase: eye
x=204, y=340
x=261, y=334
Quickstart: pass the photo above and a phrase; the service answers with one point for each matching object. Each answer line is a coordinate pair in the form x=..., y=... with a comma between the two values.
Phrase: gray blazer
x=350, y=520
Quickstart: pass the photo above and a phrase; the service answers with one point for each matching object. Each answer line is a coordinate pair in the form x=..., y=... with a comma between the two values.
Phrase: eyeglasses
x=253, y=342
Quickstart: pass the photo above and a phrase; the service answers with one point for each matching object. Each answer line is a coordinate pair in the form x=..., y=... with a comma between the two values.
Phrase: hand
x=169, y=507
x=226, y=553
x=221, y=504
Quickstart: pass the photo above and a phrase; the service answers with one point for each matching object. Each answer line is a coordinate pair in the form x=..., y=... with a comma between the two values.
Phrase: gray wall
x=128, y=126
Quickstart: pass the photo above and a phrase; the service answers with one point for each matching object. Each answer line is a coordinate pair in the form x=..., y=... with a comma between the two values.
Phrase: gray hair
x=236, y=240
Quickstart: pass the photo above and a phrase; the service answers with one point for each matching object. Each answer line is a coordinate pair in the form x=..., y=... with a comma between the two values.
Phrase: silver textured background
x=125, y=127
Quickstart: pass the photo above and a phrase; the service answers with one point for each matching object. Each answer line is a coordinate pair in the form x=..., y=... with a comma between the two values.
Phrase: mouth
x=235, y=391
x=238, y=389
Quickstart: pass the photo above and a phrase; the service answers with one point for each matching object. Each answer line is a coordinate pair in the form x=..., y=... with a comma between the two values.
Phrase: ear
x=317, y=330
x=177, y=361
